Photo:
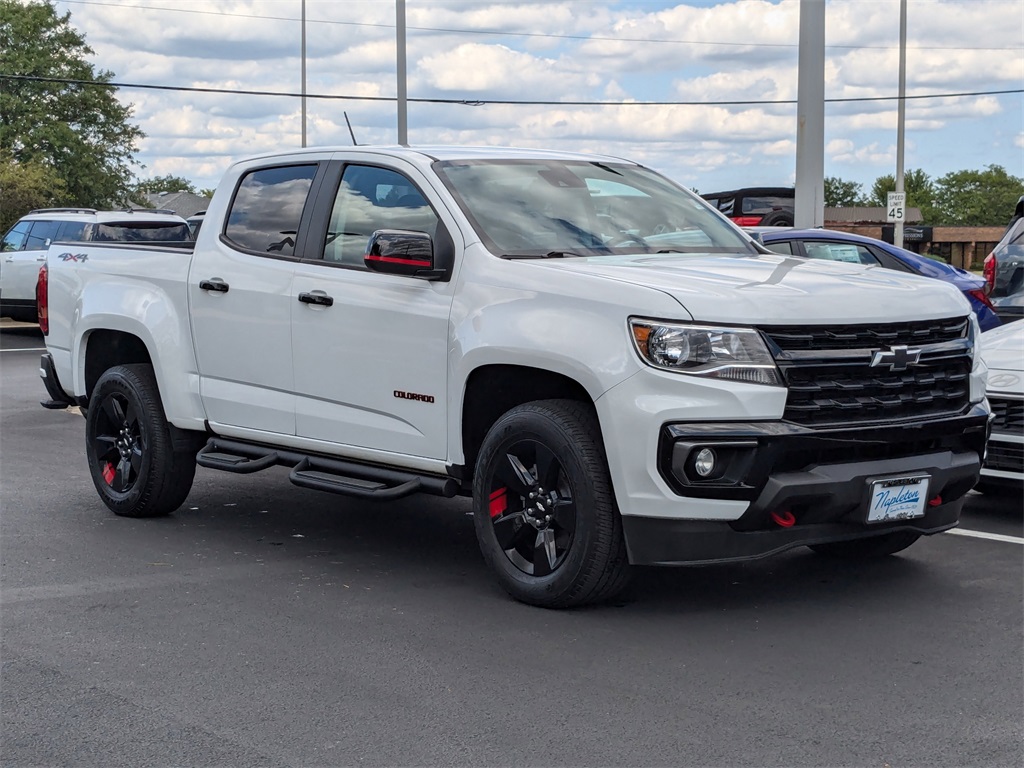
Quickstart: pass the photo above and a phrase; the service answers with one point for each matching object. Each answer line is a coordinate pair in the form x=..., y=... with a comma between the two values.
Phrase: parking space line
x=26, y=349
x=989, y=536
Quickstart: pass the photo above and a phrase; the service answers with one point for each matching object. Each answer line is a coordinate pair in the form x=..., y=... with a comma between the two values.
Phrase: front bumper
x=662, y=541
x=818, y=480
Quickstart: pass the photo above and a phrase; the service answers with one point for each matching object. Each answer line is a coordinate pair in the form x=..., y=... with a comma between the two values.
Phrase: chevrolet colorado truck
x=611, y=369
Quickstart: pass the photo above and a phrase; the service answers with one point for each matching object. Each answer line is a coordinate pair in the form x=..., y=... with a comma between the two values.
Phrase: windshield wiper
x=548, y=255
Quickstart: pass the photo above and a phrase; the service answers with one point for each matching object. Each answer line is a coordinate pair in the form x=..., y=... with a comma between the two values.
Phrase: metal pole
x=901, y=121
x=403, y=127
x=809, y=205
x=303, y=73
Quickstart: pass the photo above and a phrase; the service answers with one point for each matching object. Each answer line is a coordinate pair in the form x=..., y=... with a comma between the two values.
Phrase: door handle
x=216, y=285
x=320, y=299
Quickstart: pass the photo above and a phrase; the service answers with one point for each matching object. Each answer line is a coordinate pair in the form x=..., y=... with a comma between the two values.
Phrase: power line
x=500, y=102
x=543, y=35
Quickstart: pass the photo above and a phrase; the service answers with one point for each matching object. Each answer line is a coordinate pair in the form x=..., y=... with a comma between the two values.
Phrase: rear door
x=371, y=367
x=21, y=267
x=240, y=299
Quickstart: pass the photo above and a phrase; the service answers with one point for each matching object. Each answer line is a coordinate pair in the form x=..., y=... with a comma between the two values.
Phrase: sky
x=590, y=51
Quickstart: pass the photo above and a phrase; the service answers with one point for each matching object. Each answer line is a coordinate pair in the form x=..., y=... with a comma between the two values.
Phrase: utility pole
x=809, y=205
x=901, y=121
x=403, y=127
x=303, y=57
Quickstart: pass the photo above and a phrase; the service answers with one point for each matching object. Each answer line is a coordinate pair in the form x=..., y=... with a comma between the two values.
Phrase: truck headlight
x=738, y=354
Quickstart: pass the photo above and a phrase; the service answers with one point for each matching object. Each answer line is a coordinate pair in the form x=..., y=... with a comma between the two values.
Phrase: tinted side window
x=14, y=240
x=267, y=208
x=41, y=232
x=370, y=199
x=71, y=231
x=727, y=205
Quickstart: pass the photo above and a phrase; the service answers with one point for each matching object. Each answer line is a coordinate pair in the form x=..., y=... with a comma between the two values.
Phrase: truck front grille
x=1008, y=412
x=915, y=334
x=831, y=380
x=1008, y=457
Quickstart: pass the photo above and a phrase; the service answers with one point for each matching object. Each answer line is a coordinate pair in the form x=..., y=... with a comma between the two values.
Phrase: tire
x=777, y=219
x=129, y=448
x=868, y=548
x=565, y=547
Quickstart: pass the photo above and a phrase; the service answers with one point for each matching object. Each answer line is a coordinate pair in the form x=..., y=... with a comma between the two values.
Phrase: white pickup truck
x=613, y=371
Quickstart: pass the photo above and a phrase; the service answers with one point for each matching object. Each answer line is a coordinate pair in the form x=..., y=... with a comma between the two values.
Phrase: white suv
x=25, y=244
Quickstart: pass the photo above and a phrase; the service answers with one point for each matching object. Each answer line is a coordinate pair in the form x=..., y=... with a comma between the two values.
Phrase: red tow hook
x=784, y=519
x=935, y=502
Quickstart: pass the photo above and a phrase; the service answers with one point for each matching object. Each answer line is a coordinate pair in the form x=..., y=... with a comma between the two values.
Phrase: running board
x=321, y=473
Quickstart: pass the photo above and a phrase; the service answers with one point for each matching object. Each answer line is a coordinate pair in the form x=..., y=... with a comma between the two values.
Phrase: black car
x=756, y=206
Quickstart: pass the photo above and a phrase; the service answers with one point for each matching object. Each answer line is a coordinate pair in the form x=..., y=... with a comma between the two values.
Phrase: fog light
x=704, y=463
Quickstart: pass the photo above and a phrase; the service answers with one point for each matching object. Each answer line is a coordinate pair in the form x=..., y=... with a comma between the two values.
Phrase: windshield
x=577, y=208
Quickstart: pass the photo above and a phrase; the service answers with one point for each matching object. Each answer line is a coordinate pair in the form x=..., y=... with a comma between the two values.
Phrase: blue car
x=842, y=246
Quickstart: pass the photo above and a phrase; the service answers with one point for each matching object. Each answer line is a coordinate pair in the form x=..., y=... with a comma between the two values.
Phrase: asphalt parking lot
x=263, y=624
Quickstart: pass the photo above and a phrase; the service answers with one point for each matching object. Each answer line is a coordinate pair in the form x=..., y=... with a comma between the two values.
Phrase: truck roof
x=441, y=152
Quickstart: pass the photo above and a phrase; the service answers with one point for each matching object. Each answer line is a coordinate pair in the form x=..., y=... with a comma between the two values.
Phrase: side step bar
x=321, y=473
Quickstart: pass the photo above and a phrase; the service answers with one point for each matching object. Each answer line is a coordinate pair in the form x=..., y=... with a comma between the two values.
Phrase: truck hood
x=775, y=289
x=1002, y=349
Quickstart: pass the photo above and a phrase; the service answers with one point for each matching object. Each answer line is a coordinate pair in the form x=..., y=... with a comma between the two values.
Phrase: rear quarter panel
x=140, y=291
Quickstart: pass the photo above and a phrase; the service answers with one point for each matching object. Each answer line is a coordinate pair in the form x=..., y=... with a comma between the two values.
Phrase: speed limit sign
x=894, y=210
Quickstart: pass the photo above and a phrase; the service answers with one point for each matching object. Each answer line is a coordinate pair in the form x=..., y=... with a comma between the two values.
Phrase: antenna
x=350, y=131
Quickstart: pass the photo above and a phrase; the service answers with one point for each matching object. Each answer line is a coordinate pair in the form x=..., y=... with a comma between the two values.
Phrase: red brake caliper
x=499, y=502
x=108, y=473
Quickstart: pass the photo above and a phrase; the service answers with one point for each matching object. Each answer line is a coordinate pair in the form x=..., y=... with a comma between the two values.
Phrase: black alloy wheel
x=119, y=444
x=532, y=508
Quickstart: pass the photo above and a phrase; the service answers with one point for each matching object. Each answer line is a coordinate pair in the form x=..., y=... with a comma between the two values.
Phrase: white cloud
x=735, y=50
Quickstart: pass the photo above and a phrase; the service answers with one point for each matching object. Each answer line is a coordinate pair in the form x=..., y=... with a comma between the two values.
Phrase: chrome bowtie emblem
x=896, y=358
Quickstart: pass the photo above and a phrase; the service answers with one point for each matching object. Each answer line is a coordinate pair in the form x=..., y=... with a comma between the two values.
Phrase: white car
x=25, y=244
x=1003, y=351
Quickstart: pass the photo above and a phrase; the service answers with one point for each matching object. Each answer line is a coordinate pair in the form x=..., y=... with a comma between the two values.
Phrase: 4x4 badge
x=896, y=358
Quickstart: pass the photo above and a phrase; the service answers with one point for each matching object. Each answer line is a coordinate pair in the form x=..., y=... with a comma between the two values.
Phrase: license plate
x=897, y=498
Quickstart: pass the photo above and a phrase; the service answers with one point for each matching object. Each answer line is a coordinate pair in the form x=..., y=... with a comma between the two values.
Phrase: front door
x=371, y=368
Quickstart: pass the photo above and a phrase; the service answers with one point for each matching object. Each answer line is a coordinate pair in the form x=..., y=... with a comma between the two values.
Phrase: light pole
x=403, y=127
x=303, y=57
x=809, y=202
x=901, y=122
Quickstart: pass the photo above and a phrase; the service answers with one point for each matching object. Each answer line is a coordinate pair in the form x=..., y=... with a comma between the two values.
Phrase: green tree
x=919, y=188
x=207, y=192
x=168, y=183
x=840, y=193
x=977, y=198
x=79, y=130
x=24, y=186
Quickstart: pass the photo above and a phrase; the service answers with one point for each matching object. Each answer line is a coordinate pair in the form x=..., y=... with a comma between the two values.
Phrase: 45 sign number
x=895, y=207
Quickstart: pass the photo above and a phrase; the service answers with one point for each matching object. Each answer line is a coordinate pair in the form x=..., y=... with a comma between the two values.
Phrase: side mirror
x=400, y=252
